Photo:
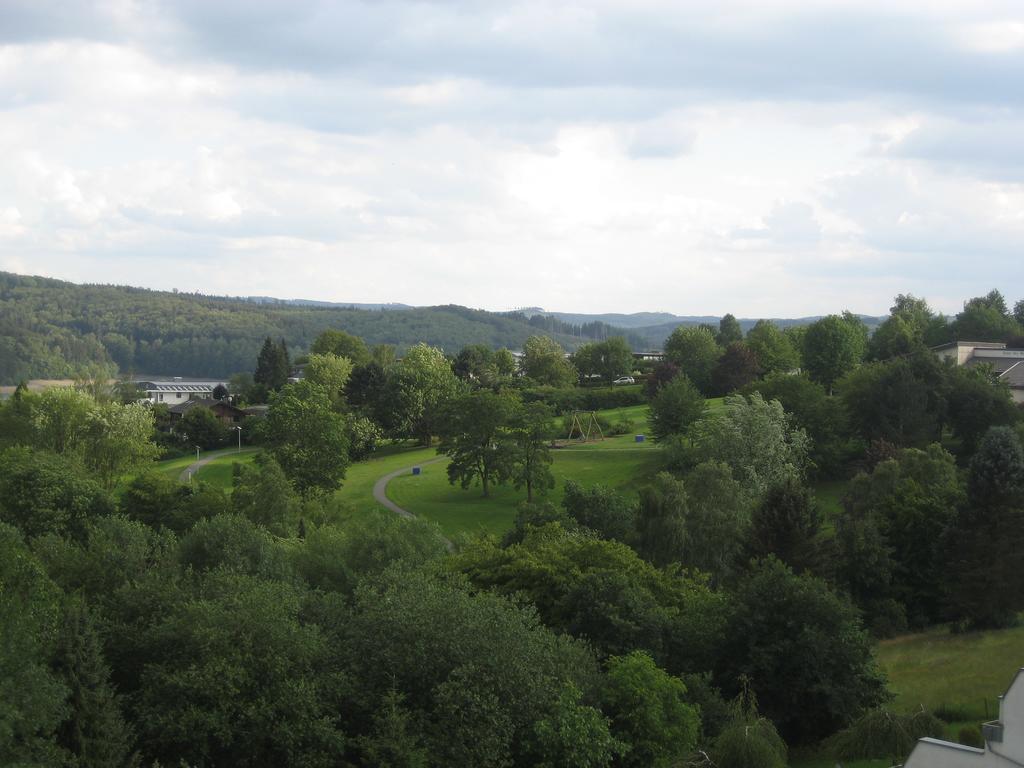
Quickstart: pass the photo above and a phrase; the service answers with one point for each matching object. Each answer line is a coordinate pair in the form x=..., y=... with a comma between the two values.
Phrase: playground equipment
x=583, y=425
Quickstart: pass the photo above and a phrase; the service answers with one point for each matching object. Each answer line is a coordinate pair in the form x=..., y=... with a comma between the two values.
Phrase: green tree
x=336, y=559
x=474, y=363
x=676, y=406
x=1018, y=313
x=575, y=735
x=729, y=331
x=774, y=350
x=393, y=743
x=32, y=698
x=978, y=400
x=200, y=426
x=902, y=401
x=94, y=731
x=476, y=671
x=61, y=418
x=330, y=372
x=545, y=363
x=985, y=544
x=911, y=325
x=649, y=712
x=477, y=438
x=735, y=369
x=239, y=634
x=531, y=430
x=416, y=392
x=891, y=533
x=307, y=438
x=786, y=524
x=832, y=347
x=341, y=344
x=695, y=351
x=157, y=500
x=718, y=520
x=263, y=495
x=16, y=420
x=599, y=508
x=986, y=318
x=822, y=417
x=756, y=439
x=661, y=521
x=41, y=492
x=272, y=365
x=118, y=441
x=810, y=681
x=607, y=359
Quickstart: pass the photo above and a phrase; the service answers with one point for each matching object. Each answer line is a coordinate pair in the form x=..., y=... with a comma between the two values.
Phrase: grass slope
x=465, y=511
x=963, y=673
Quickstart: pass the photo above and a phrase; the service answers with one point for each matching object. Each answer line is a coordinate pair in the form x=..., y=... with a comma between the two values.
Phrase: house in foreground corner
x=1006, y=363
x=1004, y=739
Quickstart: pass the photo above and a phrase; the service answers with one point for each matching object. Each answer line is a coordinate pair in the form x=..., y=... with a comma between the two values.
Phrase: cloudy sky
x=766, y=158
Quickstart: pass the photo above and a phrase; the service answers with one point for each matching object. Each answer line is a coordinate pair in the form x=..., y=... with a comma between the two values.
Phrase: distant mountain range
x=52, y=329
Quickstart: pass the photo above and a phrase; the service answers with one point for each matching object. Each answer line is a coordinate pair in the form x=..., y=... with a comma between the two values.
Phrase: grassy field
x=219, y=472
x=963, y=673
x=456, y=510
x=357, y=491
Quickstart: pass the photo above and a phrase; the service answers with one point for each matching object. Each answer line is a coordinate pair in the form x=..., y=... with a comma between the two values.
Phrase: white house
x=1007, y=364
x=1004, y=739
x=176, y=391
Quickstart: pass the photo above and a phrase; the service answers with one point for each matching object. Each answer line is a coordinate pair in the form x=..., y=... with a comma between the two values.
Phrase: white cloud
x=766, y=159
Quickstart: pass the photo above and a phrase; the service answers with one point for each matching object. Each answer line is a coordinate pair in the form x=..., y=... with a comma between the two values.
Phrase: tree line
x=149, y=622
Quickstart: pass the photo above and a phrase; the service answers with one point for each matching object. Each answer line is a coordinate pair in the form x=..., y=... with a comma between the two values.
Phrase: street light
x=239, y=437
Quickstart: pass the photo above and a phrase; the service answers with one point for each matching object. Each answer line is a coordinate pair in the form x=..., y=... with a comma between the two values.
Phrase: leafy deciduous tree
x=695, y=351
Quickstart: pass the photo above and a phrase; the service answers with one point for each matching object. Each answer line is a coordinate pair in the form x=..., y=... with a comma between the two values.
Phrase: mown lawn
x=356, y=491
x=456, y=511
x=219, y=473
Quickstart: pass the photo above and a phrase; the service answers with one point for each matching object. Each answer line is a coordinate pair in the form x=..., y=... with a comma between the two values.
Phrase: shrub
x=566, y=400
x=970, y=736
x=749, y=745
x=883, y=734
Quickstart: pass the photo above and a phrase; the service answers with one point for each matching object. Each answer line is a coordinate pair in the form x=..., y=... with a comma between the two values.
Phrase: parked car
x=624, y=380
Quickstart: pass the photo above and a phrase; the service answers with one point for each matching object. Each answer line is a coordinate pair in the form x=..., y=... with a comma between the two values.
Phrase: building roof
x=975, y=344
x=1009, y=369
x=178, y=386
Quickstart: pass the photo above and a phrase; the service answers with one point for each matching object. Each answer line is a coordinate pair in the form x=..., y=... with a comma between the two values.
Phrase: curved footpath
x=380, y=494
x=195, y=466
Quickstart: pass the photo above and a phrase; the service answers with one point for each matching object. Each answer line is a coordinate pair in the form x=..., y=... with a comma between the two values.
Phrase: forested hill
x=51, y=329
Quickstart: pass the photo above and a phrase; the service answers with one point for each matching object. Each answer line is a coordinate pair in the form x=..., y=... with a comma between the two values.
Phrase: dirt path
x=381, y=486
x=195, y=466
x=380, y=495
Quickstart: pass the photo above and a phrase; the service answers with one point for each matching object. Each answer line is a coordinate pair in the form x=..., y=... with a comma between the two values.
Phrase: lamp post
x=197, y=453
x=239, y=437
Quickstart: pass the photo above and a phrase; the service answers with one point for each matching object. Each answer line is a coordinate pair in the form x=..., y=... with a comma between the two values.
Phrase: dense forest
x=53, y=329
x=715, y=615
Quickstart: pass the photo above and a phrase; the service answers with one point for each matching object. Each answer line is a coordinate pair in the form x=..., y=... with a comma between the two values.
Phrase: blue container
x=640, y=438
x=415, y=470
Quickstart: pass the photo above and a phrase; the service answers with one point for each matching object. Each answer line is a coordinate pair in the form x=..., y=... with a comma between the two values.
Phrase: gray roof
x=177, y=386
x=1010, y=370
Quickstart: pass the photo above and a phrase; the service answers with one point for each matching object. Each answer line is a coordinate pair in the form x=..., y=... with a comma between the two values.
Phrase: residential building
x=222, y=409
x=176, y=390
x=1007, y=363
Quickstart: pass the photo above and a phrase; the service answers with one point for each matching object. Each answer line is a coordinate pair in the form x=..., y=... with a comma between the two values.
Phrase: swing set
x=583, y=427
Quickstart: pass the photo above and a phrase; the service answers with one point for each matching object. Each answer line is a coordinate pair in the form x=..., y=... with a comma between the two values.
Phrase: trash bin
x=415, y=470
x=640, y=438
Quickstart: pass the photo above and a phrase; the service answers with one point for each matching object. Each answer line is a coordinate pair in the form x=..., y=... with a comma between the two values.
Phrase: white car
x=624, y=380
